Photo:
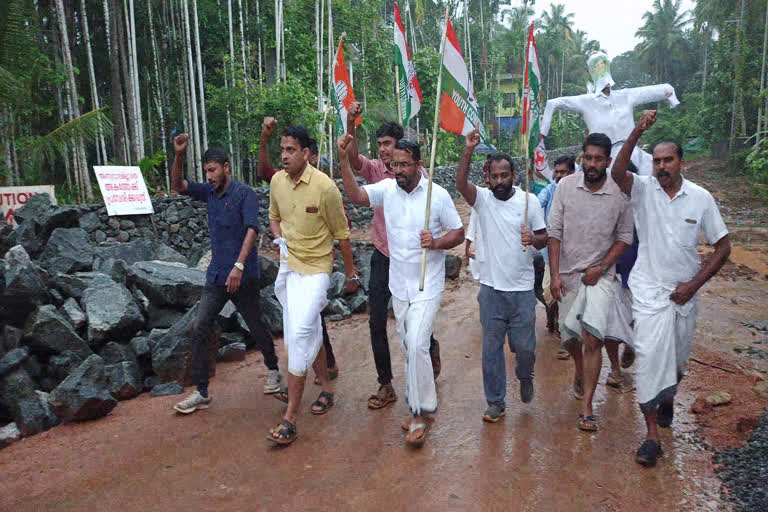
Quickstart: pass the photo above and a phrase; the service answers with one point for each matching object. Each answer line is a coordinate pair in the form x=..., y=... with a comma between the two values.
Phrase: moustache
x=591, y=169
x=662, y=174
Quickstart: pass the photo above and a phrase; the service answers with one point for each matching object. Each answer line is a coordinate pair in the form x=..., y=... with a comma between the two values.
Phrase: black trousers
x=330, y=359
x=378, y=300
x=212, y=300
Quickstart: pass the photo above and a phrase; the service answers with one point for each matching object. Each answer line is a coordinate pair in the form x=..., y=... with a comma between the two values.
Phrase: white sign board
x=13, y=198
x=123, y=190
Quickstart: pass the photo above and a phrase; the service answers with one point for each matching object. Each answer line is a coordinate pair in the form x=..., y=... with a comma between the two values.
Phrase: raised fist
x=647, y=120
x=355, y=109
x=267, y=126
x=473, y=140
x=180, y=143
x=342, y=143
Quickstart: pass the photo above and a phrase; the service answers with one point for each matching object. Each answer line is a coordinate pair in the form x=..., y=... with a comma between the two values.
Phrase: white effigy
x=610, y=111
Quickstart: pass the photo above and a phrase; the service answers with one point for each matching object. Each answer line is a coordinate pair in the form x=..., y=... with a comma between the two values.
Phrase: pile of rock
x=85, y=324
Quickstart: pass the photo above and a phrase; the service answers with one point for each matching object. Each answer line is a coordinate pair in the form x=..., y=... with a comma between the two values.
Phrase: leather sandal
x=378, y=402
x=320, y=407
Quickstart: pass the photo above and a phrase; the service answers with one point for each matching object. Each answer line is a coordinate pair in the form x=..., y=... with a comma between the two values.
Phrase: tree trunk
x=136, y=86
x=82, y=169
x=101, y=147
x=158, y=91
x=130, y=104
x=200, y=76
x=233, y=82
x=758, y=134
x=195, y=126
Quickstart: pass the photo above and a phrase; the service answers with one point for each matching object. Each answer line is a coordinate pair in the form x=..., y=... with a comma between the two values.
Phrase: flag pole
x=435, y=127
x=526, y=139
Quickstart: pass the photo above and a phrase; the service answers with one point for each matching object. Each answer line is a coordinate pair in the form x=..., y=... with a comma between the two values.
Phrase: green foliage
x=756, y=168
x=150, y=168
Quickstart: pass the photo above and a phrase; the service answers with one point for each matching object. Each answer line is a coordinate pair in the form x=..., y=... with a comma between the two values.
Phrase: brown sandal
x=378, y=402
x=423, y=424
x=283, y=434
x=322, y=407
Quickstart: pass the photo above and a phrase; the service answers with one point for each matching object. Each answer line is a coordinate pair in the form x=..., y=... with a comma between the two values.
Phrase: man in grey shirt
x=590, y=225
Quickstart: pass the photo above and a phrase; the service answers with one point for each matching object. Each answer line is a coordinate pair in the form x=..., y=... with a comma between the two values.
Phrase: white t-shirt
x=404, y=219
x=669, y=230
x=475, y=235
x=507, y=267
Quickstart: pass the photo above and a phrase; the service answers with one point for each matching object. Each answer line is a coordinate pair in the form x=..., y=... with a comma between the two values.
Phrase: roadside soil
x=145, y=457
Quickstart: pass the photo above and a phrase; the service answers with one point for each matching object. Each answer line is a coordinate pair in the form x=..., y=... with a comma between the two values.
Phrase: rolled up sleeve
x=198, y=191
x=250, y=209
x=333, y=213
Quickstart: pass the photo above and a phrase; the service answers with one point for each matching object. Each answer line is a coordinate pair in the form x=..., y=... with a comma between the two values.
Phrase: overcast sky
x=612, y=22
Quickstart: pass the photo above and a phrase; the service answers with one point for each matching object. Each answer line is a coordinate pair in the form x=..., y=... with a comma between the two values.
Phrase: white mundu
x=507, y=267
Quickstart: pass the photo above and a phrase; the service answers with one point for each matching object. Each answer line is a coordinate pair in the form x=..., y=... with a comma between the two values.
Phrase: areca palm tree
x=662, y=35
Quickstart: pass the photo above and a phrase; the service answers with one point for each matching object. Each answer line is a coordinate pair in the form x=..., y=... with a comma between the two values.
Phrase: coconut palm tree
x=662, y=35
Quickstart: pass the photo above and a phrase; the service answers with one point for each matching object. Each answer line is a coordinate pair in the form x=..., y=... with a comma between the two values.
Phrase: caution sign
x=13, y=198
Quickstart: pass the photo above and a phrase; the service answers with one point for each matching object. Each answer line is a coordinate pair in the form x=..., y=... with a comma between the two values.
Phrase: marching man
x=404, y=202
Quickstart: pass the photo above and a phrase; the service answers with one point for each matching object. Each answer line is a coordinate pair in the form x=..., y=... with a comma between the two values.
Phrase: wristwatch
x=239, y=266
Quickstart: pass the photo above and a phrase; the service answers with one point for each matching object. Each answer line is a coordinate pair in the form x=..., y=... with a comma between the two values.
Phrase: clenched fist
x=180, y=143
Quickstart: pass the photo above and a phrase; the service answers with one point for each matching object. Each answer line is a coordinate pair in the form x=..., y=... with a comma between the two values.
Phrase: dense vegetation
x=88, y=82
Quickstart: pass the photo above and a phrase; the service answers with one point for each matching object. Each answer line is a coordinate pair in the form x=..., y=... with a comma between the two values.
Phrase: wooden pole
x=435, y=127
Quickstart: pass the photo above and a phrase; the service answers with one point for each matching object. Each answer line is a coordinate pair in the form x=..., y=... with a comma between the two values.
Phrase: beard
x=502, y=192
x=403, y=182
x=592, y=175
x=662, y=174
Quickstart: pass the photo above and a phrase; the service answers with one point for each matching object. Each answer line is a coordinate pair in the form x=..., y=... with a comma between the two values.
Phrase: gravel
x=744, y=471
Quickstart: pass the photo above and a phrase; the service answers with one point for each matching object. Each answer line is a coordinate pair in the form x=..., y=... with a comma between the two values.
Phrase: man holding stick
x=670, y=215
x=404, y=202
x=378, y=285
x=305, y=216
x=233, y=273
x=507, y=300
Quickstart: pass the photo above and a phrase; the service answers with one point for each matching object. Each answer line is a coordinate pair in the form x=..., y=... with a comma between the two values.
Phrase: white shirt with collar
x=669, y=230
x=507, y=267
x=404, y=219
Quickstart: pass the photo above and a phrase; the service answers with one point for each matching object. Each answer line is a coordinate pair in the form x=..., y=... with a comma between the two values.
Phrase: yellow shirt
x=311, y=216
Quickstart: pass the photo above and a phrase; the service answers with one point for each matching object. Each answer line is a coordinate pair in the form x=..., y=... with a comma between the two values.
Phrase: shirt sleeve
x=333, y=213
x=198, y=191
x=481, y=199
x=625, y=227
x=376, y=193
x=568, y=103
x=639, y=185
x=535, y=216
x=367, y=170
x=545, y=196
x=274, y=209
x=712, y=222
x=470, y=234
x=449, y=217
x=249, y=209
x=555, y=228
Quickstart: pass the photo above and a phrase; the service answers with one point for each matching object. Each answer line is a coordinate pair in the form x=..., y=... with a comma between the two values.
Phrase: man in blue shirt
x=233, y=273
x=564, y=166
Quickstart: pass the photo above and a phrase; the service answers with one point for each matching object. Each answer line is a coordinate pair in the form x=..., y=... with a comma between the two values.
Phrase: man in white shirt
x=404, y=202
x=670, y=214
x=507, y=301
x=475, y=257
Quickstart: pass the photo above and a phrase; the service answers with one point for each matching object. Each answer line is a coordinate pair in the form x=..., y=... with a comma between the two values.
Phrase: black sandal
x=286, y=433
x=322, y=406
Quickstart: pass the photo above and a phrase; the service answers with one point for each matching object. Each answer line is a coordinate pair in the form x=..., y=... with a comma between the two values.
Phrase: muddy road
x=145, y=457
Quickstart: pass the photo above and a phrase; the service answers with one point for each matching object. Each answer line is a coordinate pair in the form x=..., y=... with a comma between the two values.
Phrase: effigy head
x=599, y=67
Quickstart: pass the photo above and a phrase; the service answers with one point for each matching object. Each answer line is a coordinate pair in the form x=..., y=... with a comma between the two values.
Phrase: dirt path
x=145, y=457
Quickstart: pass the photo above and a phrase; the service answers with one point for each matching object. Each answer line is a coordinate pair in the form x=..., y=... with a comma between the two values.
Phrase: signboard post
x=123, y=190
x=13, y=198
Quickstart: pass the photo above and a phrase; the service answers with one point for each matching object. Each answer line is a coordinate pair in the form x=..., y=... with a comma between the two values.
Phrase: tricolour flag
x=532, y=110
x=342, y=93
x=459, y=112
x=408, y=88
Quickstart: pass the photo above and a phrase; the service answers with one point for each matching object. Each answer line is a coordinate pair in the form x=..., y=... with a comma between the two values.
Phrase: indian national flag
x=408, y=88
x=342, y=93
x=532, y=110
x=459, y=111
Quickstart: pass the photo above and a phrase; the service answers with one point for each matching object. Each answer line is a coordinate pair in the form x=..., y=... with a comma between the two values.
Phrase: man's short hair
x=390, y=129
x=498, y=157
x=313, y=151
x=600, y=140
x=411, y=146
x=567, y=160
x=299, y=133
x=678, y=147
x=217, y=155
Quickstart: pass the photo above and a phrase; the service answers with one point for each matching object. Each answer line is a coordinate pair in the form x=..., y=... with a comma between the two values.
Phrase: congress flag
x=342, y=93
x=408, y=88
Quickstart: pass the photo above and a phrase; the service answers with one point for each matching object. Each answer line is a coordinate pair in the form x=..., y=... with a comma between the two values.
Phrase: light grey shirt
x=588, y=223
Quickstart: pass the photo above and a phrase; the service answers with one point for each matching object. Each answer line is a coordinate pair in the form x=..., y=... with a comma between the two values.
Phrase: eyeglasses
x=403, y=165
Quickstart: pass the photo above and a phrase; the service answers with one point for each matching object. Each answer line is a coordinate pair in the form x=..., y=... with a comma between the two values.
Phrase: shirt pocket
x=311, y=222
x=688, y=231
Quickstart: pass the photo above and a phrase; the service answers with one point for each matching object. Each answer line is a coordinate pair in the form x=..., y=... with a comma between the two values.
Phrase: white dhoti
x=663, y=334
x=619, y=327
x=415, y=321
x=586, y=308
x=303, y=298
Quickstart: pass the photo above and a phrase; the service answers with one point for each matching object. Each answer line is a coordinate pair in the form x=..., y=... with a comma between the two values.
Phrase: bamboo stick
x=435, y=127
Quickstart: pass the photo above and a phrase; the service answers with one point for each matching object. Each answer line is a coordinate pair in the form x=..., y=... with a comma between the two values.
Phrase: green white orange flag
x=342, y=93
x=459, y=112
x=532, y=110
x=408, y=88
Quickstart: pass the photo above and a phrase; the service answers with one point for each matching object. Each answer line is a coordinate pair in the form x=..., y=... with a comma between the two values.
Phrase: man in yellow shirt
x=306, y=214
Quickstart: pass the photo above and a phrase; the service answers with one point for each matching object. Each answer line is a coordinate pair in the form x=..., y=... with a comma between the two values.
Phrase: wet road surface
x=145, y=457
